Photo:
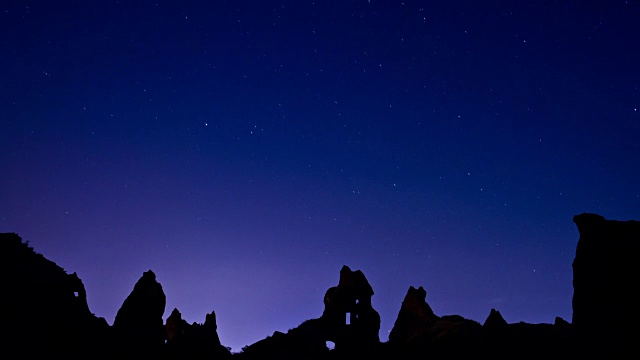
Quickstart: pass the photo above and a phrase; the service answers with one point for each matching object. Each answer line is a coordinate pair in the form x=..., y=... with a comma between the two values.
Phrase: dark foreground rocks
x=45, y=314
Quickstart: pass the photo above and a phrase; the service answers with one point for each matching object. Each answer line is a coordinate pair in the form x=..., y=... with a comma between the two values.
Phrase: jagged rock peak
x=175, y=314
x=148, y=276
x=415, y=316
x=139, y=322
x=147, y=299
x=210, y=321
x=175, y=325
x=356, y=282
x=190, y=341
x=494, y=319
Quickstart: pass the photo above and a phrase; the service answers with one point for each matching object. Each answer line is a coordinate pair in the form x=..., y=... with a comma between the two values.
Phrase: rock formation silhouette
x=414, y=318
x=45, y=310
x=604, y=271
x=195, y=341
x=494, y=320
x=348, y=320
x=46, y=314
x=352, y=299
x=418, y=332
x=138, y=323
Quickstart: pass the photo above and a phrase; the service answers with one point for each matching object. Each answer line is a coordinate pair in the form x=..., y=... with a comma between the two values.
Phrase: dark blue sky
x=245, y=150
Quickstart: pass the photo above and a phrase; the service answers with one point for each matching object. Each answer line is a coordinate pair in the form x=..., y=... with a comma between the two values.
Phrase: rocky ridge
x=48, y=315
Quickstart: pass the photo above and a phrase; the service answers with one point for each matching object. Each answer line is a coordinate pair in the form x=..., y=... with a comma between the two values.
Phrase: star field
x=246, y=150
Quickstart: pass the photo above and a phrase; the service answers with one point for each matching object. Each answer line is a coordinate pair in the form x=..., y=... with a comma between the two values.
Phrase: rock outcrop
x=195, y=341
x=45, y=310
x=415, y=316
x=494, y=320
x=419, y=332
x=138, y=324
x=348, y=320
x=47, y=315
x=605, y=270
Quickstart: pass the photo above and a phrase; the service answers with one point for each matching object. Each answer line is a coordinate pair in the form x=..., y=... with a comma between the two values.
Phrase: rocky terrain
x=46, y=314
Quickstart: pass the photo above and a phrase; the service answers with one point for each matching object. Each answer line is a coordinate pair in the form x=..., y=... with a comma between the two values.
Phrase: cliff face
x=46, y=314
x=44, y=309
x=605, y=272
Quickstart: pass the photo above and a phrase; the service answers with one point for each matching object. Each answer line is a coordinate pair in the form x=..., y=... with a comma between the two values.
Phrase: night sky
x=246, y=150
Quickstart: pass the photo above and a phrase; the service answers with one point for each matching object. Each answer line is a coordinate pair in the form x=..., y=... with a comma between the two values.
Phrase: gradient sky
x=246, y=150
